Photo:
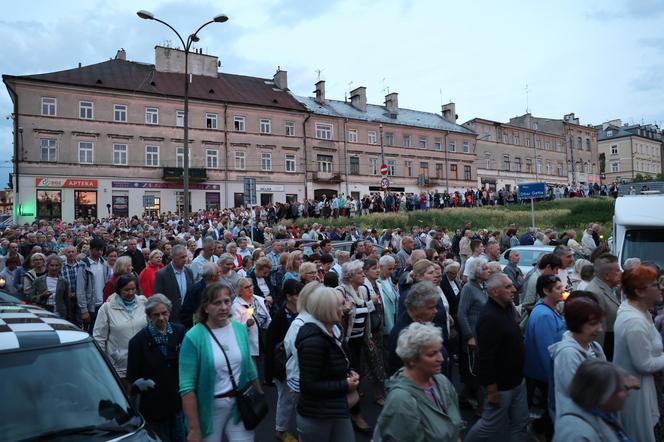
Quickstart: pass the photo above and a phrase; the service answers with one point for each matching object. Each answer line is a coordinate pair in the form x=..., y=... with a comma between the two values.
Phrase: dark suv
x=57, y=385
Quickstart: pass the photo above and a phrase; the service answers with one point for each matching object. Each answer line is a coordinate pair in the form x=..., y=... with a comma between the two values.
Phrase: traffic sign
x=384, y=169
x=385, y=183
x=532, y=190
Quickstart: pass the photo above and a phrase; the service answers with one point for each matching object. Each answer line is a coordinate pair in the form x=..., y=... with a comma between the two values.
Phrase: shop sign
x=270, y=188
x=72, y=183
x=149, y=185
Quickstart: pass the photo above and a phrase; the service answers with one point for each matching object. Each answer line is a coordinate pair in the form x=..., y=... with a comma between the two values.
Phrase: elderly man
x=210, y=273
x=174, y=280
x=206, y=255
x=403, y=255
x=277, y=250
x=137, y=258
x=588, y=245
x=505, y=414
x=603, y=286
x=514, y=272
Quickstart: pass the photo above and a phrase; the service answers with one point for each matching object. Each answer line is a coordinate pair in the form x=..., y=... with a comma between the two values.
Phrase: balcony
x=177, y=174
x=327, y=177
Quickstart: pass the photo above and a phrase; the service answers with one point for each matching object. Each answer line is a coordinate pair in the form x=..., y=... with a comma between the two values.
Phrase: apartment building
x=626, y=151
x=509, y=154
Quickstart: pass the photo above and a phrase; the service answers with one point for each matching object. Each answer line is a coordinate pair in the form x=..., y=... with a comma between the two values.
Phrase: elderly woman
x=598, y=391
x=638, y=349
x=250, y=310
x=419, y=306
x=422, y=404
x=583, y=318
x=260, y=276
x=51, y=290
x=545, y=327
x=208, y=396
x=575, y=277
x=389, y=293
x=423, y=270
x=118, y=320
x=308, y=272
x=36, y=264
x=376, y=345
x=295, y=259
x=147, y=276
x=122, y=266
x=153, y=354
x=231, y=248
x=325, y=375
x=358, y=326
x=472, y=298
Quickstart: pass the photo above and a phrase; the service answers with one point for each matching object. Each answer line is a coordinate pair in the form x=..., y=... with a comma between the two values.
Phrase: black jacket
x=145, y=360
x=276, y=333
x=137, y=260
x=191, y=303
x=452, y=299
x=257, y=289
x=323, y=371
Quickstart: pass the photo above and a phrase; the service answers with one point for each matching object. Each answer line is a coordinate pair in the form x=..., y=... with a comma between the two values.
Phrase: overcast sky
x=602, y=59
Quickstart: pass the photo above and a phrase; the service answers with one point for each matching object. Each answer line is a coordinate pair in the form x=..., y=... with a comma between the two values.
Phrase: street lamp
x=192, y=38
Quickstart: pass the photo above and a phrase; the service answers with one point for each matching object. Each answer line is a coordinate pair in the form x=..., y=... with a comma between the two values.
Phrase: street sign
x=384, y=169
x=532, y=190
x=385, y=183
x=250, y=191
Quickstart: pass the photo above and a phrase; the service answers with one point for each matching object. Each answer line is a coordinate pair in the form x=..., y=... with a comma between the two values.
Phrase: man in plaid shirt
x=69, y=271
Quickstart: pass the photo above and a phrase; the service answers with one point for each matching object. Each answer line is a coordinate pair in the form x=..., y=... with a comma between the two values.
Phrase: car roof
x=27, y=326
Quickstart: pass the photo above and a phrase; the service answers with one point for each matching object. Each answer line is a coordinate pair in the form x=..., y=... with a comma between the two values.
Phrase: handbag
x=250, y=402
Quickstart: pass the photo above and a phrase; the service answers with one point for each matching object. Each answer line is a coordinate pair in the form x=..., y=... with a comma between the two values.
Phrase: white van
x=638, y=228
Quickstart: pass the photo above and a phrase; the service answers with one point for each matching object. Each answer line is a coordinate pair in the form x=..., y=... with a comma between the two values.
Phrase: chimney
x=358, y=98
x=320, y=92
x=121, y=55
x=449, y=112
x=571, y=118
x=281, y=79
x=392, y=104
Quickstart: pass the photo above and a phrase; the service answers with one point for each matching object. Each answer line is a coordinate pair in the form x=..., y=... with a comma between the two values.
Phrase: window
x=424, y=166
x=389, y=139
x=539, y=166
x=179, y=156
x=48, y=149
x=85, y=152
x=536, y=125
x=324, y=163
x=152, y=156
x=49, y=204
x=454, y=171
x=586, y=167
x=212, y=158
x=466, y=147
x=614, y=149
x=151, y=115
x=371, y=137
x=505, y=138
x=354, y=165
x=437, y=144
x=290, y=128
x=506, y=162
x=439, y=170
x=48, y=106
x=423, y=142
x=239, y=124
x=291, y=164
x=240, y=160
x=120, y=154
x=579, y=144
x=548, y=168
x=120, y=113
x=538, y=144
x=323, y=131
x=85, y=110
x=265, y=126
x=211, y=120
x=179, y=118
x=609, y=133
x=266, y=161
x=560, y=169
x=529, y=165
x=409, y=168
x=467, y=173
x=352, y=135
x=391, y=167
x=517, y=164
x=547, y=145
x=527, y=142
x=487, y=163
x=406, y=141
x=516, y=139
x=452, y=146
x=588, y=144
x=373, y=166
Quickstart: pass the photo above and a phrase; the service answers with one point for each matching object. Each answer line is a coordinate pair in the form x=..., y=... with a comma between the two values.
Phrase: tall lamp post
x=192, y=38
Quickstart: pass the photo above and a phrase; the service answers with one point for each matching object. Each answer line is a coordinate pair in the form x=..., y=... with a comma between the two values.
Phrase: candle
x=250, y=311
x=565, y=296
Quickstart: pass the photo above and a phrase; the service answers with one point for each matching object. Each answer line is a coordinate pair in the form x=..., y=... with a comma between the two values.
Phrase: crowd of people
x=402, y=317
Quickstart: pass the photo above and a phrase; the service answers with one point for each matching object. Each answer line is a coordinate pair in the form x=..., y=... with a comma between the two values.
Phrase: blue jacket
x=545, y=327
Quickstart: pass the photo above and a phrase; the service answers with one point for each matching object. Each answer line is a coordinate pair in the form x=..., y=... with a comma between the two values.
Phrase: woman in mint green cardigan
x=208, y=398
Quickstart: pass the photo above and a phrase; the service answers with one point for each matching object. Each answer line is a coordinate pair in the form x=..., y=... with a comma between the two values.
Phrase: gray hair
x=386, y=260
x=414, y=338
x=208, y=241
x=350, y=269
x=53, y=258
x=225, y=257
x=155, y=300
x=420, y=294
x=452, y=266
x=595, y=382
x=178, y=248
x=37, y=255
x=475, y=267
x=121, y=265
x=495, y=281
x=629, y=263
x=209, y=269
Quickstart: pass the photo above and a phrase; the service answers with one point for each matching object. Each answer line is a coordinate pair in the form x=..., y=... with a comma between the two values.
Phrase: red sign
x=383, y=169
x=66, y=182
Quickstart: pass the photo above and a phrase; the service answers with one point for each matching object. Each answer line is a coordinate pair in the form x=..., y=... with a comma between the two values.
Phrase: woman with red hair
x=638, y=350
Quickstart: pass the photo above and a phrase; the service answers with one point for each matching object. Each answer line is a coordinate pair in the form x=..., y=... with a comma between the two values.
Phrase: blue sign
x=532, y=190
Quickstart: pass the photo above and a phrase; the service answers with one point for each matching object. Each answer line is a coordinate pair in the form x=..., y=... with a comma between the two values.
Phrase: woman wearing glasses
x=250, y=309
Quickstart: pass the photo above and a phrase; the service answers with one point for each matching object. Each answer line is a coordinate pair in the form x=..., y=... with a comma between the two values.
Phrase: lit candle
x=565, y=296
x=250, y=311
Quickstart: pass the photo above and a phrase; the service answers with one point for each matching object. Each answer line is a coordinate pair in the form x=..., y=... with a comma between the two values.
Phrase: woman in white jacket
x=118, y=320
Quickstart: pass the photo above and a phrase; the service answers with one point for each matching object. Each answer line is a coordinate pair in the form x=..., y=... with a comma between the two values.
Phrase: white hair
x=414, y=338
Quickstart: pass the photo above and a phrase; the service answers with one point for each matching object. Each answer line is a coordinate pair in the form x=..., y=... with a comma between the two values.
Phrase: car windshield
x=644, y=244
x=57, y=391
x=528, y=258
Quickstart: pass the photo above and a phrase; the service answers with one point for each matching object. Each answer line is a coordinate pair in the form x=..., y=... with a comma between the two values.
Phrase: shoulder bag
x=250, y=402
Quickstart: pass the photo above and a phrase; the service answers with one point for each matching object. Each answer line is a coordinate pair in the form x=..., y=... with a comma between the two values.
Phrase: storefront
x=53, y=195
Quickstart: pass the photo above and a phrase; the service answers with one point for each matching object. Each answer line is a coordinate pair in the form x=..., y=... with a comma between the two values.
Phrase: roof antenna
x=318, y=72
x=386, y=89
x=527, y=99
x=440, y=92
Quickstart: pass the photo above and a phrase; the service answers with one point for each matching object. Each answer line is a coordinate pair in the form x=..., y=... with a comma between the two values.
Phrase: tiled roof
x=379, y=114
x=144, y=78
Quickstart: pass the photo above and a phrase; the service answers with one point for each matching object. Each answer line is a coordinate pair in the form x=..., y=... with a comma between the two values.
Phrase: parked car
x=57, y=384
x=305, y=246
x=529, y=256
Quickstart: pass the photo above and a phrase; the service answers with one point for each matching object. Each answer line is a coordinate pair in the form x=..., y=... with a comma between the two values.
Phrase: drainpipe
x=306, y=161
x=631, y=151
x=447, y=166
x=346, y=156
x=226, y=154
x=17, y=200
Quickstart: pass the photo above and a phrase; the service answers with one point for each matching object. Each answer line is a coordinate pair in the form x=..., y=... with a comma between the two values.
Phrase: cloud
x=629, y=9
